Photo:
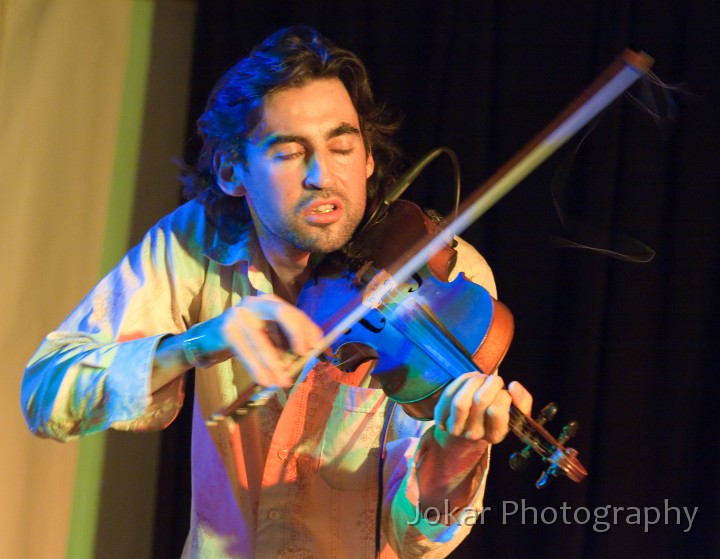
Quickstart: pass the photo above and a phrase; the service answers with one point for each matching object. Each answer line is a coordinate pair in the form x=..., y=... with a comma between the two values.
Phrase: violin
x=426, y=332
x=394, y=306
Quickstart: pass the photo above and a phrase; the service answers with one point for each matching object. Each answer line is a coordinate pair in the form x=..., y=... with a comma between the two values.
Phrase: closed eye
x=282, y=156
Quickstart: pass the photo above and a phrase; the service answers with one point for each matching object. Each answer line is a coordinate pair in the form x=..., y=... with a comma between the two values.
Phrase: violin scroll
x=562, y=460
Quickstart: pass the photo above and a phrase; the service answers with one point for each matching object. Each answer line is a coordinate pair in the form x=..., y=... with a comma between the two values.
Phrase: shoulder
x=187, y=227
x=179, y=238
x=474, y=266
x=185, y=219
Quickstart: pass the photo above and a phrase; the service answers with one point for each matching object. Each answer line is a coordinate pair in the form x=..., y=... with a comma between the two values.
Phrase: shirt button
x=282, y=454
x=274, y=515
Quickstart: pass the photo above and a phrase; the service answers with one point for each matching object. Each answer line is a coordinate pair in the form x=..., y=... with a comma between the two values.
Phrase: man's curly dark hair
x=290, y=57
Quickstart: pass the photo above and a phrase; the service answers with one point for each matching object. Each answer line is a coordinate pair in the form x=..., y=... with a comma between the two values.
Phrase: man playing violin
x=294, y=151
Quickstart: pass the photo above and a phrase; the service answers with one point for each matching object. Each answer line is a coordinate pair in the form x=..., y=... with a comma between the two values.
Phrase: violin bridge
x=364, y=274
x=377, y=288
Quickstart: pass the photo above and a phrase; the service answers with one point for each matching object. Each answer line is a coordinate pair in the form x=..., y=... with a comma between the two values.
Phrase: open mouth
x=323, y=209
x=324, y=212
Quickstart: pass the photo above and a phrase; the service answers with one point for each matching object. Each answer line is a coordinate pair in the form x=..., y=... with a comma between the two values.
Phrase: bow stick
x=608, y=86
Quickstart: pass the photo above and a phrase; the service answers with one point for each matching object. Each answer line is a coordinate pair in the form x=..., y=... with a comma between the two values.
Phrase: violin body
x=424, y=332
x=408, y=337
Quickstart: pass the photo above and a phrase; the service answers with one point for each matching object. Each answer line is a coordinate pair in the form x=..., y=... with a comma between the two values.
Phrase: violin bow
x=607, y=87
x=625, y=70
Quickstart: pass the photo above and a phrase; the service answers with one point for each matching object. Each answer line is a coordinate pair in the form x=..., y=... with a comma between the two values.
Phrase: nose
x=319, y=172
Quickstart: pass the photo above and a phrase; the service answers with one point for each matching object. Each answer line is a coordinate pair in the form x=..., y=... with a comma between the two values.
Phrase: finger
x=301, y=332
x=522, y=399
x=462, y=402
x=245, y=354
x=284, y=327
x=497, y=418
x=442, y=408
x=482, y=399
x=259, y=372
x=247, y=336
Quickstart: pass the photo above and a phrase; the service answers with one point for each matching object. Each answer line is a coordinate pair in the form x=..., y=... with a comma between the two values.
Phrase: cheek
x=272, y=195
x=283, y=179
x=268, y=184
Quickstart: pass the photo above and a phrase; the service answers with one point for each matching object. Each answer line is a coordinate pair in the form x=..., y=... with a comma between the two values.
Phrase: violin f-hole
x=349, y=356
x=365, y=323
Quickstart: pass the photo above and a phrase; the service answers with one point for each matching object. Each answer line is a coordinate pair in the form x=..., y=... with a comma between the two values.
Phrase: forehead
x=315, y=107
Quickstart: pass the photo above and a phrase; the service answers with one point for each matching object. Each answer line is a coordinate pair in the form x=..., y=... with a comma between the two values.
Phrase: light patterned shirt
x=297, y=478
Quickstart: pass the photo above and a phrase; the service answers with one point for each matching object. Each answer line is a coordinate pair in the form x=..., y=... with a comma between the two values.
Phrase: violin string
x=527, y=429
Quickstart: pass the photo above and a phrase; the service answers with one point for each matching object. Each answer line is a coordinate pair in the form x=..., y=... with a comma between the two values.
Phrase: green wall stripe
x=89, y=472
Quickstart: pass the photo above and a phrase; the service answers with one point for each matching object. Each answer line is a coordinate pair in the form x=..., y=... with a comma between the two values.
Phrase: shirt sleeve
x=94, y=371
x=411, y=530
x=408, y=530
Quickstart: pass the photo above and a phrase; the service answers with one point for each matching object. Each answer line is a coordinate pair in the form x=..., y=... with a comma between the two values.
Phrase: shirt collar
x=230, y=245
x=229, y=249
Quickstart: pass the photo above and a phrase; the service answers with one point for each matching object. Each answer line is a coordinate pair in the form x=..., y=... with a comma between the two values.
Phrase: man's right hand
x=260, y=330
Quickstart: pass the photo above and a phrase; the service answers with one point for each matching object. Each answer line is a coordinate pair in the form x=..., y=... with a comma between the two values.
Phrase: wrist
x=459, y=447
x=202, y=347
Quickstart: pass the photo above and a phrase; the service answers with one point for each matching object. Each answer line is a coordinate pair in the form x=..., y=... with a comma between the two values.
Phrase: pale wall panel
x=62, y=67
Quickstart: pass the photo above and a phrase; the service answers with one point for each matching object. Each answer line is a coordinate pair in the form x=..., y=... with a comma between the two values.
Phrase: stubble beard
x=321, y=238
x=294, y=231
x=312, y=238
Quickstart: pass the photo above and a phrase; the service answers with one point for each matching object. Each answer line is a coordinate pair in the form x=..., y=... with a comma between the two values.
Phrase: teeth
x=325, y=208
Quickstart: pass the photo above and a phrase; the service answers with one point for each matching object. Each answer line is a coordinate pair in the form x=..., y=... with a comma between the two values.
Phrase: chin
x=324, y=240
x=324, y=246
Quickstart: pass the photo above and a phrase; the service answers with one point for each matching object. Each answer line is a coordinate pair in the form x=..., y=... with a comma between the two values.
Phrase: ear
x=369, y=165
x=229, y=174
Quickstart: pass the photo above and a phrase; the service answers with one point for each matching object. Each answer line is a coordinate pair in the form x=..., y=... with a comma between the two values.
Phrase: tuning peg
x=547, y=413
x=546, y=477
x=568, y=431
x=519, y=460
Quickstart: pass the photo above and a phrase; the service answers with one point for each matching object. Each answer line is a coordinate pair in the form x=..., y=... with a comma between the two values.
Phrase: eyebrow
x=341, y=130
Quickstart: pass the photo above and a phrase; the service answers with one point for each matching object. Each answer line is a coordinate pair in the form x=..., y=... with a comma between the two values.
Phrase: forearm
x=76, y=384
x=411, y=523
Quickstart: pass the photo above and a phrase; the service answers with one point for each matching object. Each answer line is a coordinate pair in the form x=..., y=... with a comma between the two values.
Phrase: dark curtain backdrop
x=626, y=349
